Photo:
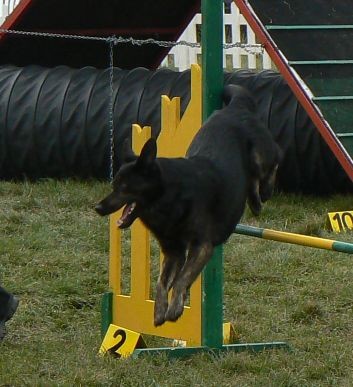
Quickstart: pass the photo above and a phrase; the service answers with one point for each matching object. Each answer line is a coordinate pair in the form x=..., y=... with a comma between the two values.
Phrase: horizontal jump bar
x=311, y=27
x=297, y=239
x=321, y=62
x=344, y=134
x=334, y=98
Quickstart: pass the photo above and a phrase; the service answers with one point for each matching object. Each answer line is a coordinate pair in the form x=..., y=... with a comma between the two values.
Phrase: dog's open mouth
x=128, y=216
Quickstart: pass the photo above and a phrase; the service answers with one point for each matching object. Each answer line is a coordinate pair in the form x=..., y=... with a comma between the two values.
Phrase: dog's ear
x=228, y=93
x=235, y=94
x=148, y=153
x=127, y=154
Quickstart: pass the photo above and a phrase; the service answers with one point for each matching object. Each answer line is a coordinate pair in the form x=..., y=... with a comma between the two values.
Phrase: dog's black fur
x=192, y=204
x=264, y=153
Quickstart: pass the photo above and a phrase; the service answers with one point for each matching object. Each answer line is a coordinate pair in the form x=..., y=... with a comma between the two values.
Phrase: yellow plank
x=115, y=254
x=139, y=137
x=140, y=261
x=138, y=316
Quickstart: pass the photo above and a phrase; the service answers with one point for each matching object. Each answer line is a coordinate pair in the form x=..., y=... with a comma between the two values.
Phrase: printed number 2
x=119, y=344
x=341, y=219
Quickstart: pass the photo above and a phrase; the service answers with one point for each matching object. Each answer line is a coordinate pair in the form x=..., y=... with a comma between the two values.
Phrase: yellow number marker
x=341, y=221
x=121, y=342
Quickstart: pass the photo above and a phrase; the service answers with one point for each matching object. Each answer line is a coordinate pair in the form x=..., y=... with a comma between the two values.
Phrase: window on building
x=198, y=33
x=244, y=61
x=227, y=9
x=171, y=61
x=229, y=62
x=259, y=62
x=243, y=33
x=228, y=33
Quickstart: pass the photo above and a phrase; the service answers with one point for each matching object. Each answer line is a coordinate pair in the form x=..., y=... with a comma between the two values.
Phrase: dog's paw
x=159, y=318
x=160, y=305
x=175, y=309
x=255, y=207
x=160, y=309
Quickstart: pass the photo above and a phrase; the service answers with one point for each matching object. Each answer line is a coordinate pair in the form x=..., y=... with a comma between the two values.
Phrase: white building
x=236, y=30
x=6, y=7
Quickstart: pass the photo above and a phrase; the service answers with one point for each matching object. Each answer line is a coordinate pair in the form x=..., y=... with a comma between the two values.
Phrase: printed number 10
x=344, y=220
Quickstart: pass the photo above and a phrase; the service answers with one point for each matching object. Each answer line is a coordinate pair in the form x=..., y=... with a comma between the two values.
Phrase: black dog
x=193, y=204
x=264, y=154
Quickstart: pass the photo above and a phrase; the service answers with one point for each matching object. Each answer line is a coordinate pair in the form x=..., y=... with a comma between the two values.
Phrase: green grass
x=54, y=255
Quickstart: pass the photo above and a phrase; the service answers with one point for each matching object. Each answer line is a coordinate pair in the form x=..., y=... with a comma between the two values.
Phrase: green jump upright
x=212, y=276
x=212, y=86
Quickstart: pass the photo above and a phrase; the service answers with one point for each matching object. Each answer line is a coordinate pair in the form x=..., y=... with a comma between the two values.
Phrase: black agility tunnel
x=54, y=122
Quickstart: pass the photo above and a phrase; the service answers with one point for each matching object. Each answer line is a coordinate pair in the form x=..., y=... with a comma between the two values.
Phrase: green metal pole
x=212, y=55
x=212, y=86
x=106, y=312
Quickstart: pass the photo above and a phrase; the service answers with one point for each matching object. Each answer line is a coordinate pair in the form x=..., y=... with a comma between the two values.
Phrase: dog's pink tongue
x=126, y=212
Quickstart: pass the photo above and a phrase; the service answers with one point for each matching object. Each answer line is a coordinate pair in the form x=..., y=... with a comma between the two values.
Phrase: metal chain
x=111, y=107
x=250, y=48
x=53, y=35
x=165, y=43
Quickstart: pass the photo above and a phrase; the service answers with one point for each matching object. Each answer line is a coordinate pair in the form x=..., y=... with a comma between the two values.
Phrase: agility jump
x=197, y=326
x=209, y=310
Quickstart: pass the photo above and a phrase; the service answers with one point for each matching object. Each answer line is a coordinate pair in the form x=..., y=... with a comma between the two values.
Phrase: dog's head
x=135, y=185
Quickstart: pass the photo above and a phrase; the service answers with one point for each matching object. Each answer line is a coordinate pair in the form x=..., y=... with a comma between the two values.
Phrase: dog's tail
x=235, y=94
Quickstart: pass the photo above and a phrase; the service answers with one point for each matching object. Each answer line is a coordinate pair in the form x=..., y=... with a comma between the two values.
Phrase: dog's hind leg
x=267, y=186
x=172, y=264
x=254, y=199
x=198, y=256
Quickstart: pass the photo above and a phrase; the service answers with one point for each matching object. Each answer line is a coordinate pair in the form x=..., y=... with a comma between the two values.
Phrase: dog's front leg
x=198, y=256
x=172, y=264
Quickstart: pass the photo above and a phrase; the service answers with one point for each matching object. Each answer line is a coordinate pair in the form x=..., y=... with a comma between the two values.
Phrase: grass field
x=54, y=253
